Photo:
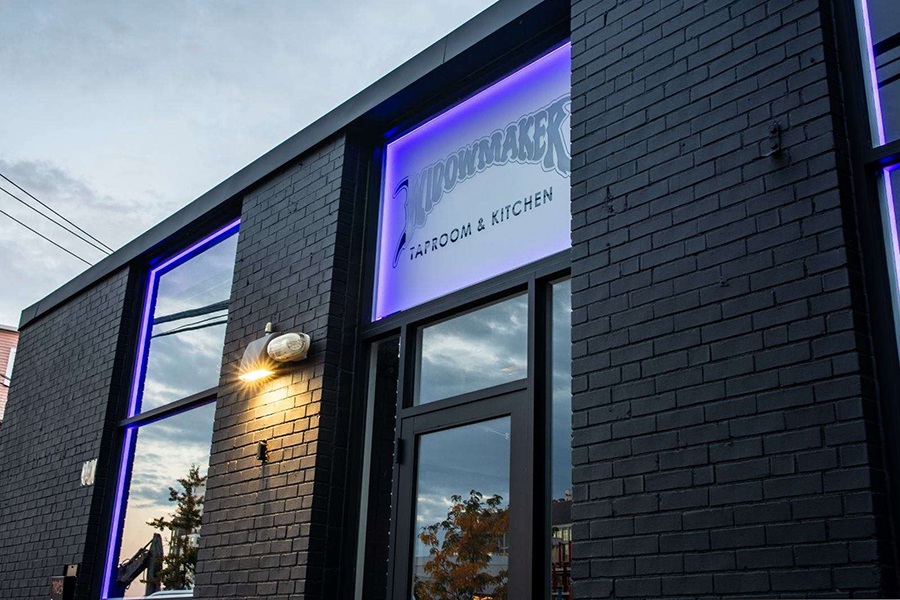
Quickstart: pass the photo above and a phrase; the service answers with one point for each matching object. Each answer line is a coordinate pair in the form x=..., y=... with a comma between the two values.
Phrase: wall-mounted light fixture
x=263, y=357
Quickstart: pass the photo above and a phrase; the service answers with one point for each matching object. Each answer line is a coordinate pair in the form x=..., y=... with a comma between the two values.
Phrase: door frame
x=507, y=404
x=531, y=428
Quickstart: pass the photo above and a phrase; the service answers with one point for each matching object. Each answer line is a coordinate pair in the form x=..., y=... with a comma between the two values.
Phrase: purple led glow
x=892, y=221
x=873, y=73
x=137, y=387
x=543, y=80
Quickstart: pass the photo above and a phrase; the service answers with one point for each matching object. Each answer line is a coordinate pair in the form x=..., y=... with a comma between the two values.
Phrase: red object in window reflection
x=561, y=569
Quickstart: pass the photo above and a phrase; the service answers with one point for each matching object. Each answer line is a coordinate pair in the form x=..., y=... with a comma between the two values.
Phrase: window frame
x=128, y=427
x=415, y=398
x=530, y=464
x=534, y=278
x=870, y=161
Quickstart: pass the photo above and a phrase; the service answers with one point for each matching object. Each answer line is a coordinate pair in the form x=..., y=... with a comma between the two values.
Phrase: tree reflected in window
x=463, y=549
x=176, y=569
x=460, y=549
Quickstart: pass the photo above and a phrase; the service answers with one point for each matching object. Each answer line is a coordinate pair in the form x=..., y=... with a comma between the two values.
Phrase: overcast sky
x=117, y=114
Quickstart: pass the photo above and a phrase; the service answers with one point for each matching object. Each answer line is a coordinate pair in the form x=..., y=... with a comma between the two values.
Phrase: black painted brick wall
x=275, y=530
x=725, y=440
x=62, y=411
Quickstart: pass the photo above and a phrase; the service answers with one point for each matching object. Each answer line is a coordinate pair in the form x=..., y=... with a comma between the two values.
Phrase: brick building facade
x=733, y=335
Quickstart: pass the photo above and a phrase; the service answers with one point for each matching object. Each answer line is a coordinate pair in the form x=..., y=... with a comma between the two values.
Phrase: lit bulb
x=255, y=375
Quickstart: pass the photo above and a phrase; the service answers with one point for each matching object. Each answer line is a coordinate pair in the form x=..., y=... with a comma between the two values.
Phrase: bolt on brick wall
x=273, y=530
x=725, y=441
x=62, y=411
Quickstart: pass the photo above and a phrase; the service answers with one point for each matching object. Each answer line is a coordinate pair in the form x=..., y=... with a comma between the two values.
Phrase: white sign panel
x=479, y=190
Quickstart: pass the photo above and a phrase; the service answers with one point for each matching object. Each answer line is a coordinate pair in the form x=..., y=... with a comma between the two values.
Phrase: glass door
x=481, y=488
x=467, y=492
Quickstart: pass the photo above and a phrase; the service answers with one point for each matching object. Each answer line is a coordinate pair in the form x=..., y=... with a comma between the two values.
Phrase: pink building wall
x=9, y=338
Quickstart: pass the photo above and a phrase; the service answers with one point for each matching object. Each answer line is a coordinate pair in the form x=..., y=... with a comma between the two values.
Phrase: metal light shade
x=256, y=363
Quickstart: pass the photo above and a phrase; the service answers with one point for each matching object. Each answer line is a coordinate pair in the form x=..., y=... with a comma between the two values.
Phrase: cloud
x=31, y=267
x=476, y=350
x=164, y=452
x=457, y=461
x=142, y=107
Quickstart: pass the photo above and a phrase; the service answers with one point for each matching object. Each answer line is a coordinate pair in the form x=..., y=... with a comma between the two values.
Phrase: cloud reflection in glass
x=195, y=279
x=474, y=351
x=185, y=354
x=456, y=463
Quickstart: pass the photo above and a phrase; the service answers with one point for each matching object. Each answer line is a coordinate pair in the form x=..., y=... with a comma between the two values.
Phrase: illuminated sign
x=478, y=190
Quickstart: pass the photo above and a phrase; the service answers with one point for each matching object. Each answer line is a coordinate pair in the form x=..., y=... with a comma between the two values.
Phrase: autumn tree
x=461, y=548
x=180, y=562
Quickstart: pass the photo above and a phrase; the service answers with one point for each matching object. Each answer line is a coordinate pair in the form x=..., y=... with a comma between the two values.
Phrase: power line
x=194, y=312
x=46, y=238
x=30, y=195
x=188, y=328
x=63, y=227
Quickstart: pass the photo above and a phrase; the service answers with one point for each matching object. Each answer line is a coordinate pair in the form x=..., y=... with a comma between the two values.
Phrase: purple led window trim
x=892, y=223
x=498, y=89
x=873, y=73
x=137, y=384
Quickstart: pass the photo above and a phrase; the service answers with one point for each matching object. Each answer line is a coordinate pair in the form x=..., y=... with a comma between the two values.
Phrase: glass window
x=890, y=180
x=461, y=525
x=378, y=462
x=188, y=333
x=881, y=39
x=165, y=499
x=466, y=488
x=480, y=349
x=561, y=442
x=162, y=480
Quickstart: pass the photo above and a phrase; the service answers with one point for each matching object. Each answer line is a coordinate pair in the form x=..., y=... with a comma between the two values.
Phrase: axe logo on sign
x=536, y=138
x=479, y=189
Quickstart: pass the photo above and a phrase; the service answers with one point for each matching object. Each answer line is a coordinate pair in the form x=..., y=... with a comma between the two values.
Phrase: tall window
x=168, y=432
x=474, y=232
x=479, y=405
x=880, y=38
x=560, y=413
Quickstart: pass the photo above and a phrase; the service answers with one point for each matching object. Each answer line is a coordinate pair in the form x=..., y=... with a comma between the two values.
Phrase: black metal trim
x=502, y=285
x=539, y=360
x=525, y=401
x=161, y=412
x=454, y=401
x=109, y=457
x=865, y=162
x=878, y=155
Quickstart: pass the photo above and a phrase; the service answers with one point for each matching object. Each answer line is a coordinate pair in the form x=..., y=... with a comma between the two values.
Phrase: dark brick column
x=274, y=530
x=67, y=392
x=726, y=441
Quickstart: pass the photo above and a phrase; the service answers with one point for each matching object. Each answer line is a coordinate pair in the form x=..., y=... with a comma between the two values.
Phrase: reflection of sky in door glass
x=456, y=462
x=884, y=20
x=561, y=441
x=188, y=362
x=474, y=351
x=561, y=399
x=164, y=453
